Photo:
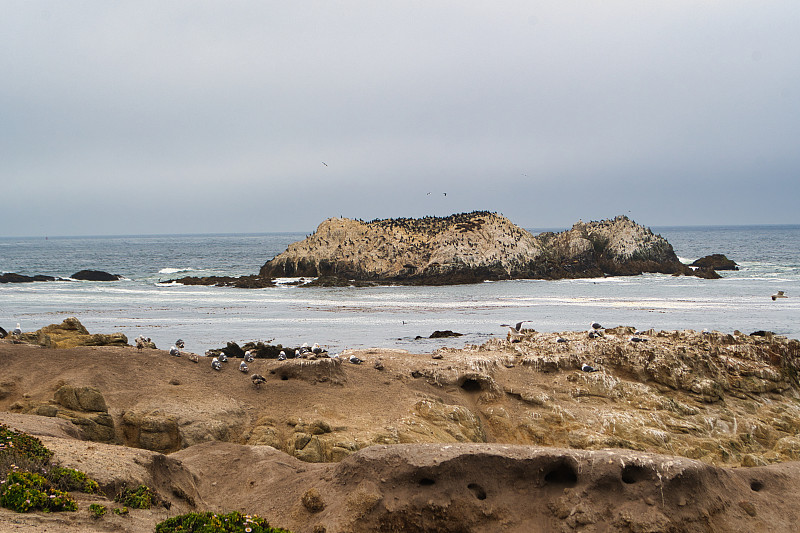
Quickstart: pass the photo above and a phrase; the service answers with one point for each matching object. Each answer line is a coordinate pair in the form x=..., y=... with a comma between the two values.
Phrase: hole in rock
x=471, y=385
x=756, y=486
x=634, y=473
x=426, y=482
x=284, y=377
x=562, y=474
x=477, y=490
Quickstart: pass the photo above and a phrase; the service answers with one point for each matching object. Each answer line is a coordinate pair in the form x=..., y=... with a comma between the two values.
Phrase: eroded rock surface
x=472, y=247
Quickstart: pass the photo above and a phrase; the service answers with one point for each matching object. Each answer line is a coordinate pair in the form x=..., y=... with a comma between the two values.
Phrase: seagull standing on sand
x=258, y=379
x=175, y=351
x=215, y=364
x=774, y=297
x=282, y=356
x=515, y=332
x=223, y=358
x=17, y=331
x=243, y=367
x=248, y=356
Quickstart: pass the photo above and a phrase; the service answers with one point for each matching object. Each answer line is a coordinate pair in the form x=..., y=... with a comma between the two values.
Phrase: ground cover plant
x=28, y=479
x=209, y=522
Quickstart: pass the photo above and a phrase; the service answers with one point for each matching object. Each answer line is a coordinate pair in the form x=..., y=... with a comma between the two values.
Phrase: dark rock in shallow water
x=443, y=334
x=95, y=275
x=11, y=277
x=241, y=282
x=716, y=262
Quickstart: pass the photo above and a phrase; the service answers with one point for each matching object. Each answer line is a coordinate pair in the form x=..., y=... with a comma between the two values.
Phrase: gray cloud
x=154, y=117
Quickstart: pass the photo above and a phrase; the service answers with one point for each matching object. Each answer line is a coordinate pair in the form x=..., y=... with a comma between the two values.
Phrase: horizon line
x=235, y=233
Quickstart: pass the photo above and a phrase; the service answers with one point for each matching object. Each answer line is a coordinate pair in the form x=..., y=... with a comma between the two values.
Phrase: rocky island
x=473, y=247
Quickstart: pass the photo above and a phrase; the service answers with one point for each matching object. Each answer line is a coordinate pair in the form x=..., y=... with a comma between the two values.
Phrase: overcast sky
x=256, y=116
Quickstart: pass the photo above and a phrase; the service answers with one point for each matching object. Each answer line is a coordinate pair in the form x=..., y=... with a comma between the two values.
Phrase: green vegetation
x=208, y=522
x=26, y=491
x=139, y=498
x=97, y=510
x=21, y=444
x=69, y=479
x=31, y=481
x=121, y=512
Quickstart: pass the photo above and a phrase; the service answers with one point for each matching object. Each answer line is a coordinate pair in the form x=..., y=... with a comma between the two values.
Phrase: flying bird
x=324, y=163
x=774, y=297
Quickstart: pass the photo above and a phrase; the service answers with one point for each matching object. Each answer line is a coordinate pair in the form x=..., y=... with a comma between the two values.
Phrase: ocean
x=385, y=317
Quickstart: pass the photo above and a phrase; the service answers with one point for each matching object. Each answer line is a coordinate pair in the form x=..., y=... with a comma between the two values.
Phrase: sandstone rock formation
x=472, y=247
x=71, y=333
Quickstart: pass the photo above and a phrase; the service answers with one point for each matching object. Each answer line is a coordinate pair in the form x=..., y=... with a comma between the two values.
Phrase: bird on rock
x=355, y=360
x=515, y=332
x=17, y=331
x=282, y=356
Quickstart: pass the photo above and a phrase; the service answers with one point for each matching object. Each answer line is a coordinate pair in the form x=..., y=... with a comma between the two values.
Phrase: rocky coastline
x=445, y=441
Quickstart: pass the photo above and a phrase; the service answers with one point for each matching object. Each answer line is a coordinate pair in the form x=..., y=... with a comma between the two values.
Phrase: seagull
x=282, y=356
x=194, y=358
x=515, y=332
x=324, y=163
x=215, y=364
x=355, y=360
x=561, y=340
x=18, y=331
x=596, y=325
x=223, y=358
x=180, y=344
x=248, y=356
x=258, y=379
x=588, y=368
x=316, y=349
x=174, y=351
x=140, y=343
x=638, y=339
x=243, y=367
x=3, y=333
x=774, y=297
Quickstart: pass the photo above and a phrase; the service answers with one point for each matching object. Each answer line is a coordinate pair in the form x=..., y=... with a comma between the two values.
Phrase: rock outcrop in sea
x=472, y=247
